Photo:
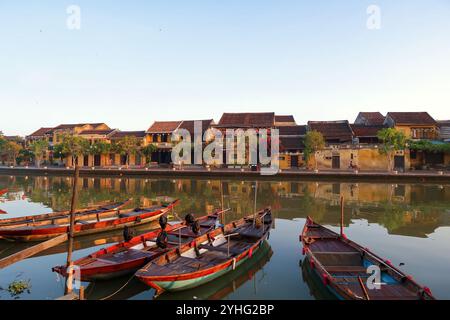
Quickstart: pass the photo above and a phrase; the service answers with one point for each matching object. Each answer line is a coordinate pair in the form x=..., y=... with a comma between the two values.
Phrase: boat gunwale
x=391, y=270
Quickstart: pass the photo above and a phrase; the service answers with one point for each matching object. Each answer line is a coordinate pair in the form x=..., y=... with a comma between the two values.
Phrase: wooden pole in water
x=342, y=215
x=68, y=288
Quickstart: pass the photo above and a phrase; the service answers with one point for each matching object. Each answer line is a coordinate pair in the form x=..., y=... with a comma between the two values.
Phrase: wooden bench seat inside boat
x=339, y=259
x=222, y=248
x=130, y=254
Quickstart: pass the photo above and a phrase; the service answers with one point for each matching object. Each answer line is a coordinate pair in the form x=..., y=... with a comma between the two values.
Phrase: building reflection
x=404, y=209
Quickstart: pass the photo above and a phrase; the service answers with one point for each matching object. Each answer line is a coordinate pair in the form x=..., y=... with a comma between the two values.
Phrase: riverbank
x=189, y=172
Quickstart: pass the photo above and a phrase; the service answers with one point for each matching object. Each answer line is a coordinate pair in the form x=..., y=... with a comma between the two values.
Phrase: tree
x=39, y=148
x=392, y=141
x=127, y=146
x=314, y=141
x=74, y=147
x=11, y=150
x=147, y=151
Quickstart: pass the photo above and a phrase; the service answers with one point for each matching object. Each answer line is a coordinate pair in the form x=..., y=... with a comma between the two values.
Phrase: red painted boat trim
x=97, y=226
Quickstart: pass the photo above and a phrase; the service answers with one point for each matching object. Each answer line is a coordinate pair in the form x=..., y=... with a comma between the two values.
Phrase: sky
x=133, y=62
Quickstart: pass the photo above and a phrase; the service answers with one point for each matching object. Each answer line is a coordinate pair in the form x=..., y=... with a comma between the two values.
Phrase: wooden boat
x=127, y=257
x=48, y=217
x=208, y=256
x=86, y=223
x=3, y=191
x=227, y=284
x=343, y=267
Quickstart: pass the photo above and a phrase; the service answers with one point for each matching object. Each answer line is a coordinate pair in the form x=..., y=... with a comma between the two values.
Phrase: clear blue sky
x=134, y=62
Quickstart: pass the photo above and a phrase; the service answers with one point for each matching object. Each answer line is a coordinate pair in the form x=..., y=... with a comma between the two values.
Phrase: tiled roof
x=164, y=126
x=98, y=132
x=443, y=123
x=189, y=125
x=71, y=126
x=247, y=120
x=291, y=143
x=370, y=118
x=284, y=118
x=123, y=134
x=411, y=118
x=292, y=130
x=361, y=130
x=40, y=132
x=333, y=130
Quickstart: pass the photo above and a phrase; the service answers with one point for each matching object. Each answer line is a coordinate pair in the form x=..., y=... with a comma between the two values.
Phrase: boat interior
x=346, y=264
x=210, y=253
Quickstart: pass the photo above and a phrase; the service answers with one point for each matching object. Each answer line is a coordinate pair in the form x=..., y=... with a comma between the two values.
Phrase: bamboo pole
x=69, y=263
x=32, y=251
x=342, y=215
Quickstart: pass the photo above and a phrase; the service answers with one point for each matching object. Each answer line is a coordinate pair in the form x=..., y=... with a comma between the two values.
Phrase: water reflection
x=404, y=209
x=408, y=222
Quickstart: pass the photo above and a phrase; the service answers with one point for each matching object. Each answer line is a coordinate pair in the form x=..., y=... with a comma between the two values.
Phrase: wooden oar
x=363, y=287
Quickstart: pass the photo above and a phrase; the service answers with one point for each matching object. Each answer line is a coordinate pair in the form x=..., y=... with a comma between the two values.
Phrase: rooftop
x=247, y=120
x=282, y=118
x=123, y=134
x=361, y=130
x=189, y=125
x=411, y=118
x=164, y=126
x=292, y=130
x=370, y=118
x=336, y=131
x=40, y=132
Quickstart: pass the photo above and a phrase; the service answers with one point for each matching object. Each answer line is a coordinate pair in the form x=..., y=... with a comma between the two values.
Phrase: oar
x=363, y=287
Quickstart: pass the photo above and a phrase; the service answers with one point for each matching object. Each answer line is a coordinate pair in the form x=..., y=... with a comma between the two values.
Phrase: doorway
x=336, y=162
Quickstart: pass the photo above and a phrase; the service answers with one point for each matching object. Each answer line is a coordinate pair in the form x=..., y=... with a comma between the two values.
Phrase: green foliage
x=127, y=146
x=58, y=151
x=73, y=146
x=428, y=146
x=25, y=155
x=10, y=150
x=99, y=148
x=314, y=141
x=392, y=141
x=148, y=150
x=38, y=148
x=17, y=287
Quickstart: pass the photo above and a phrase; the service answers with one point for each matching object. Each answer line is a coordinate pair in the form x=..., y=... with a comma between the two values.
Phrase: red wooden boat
x=3, y=191
x=86, y=223
x=342, y=265
x=49, y=217
x=208, y=256
x=128, y=256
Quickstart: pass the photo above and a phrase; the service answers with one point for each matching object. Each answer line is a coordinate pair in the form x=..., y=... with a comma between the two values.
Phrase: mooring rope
x=117, y=291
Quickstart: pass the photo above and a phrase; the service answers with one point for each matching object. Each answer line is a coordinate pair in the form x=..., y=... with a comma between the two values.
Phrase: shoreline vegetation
x=241, y=174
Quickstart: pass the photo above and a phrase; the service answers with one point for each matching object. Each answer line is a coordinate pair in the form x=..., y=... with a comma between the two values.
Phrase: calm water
x=407, y=223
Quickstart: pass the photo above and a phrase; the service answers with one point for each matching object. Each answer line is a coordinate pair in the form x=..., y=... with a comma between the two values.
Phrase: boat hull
x=199, y=279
